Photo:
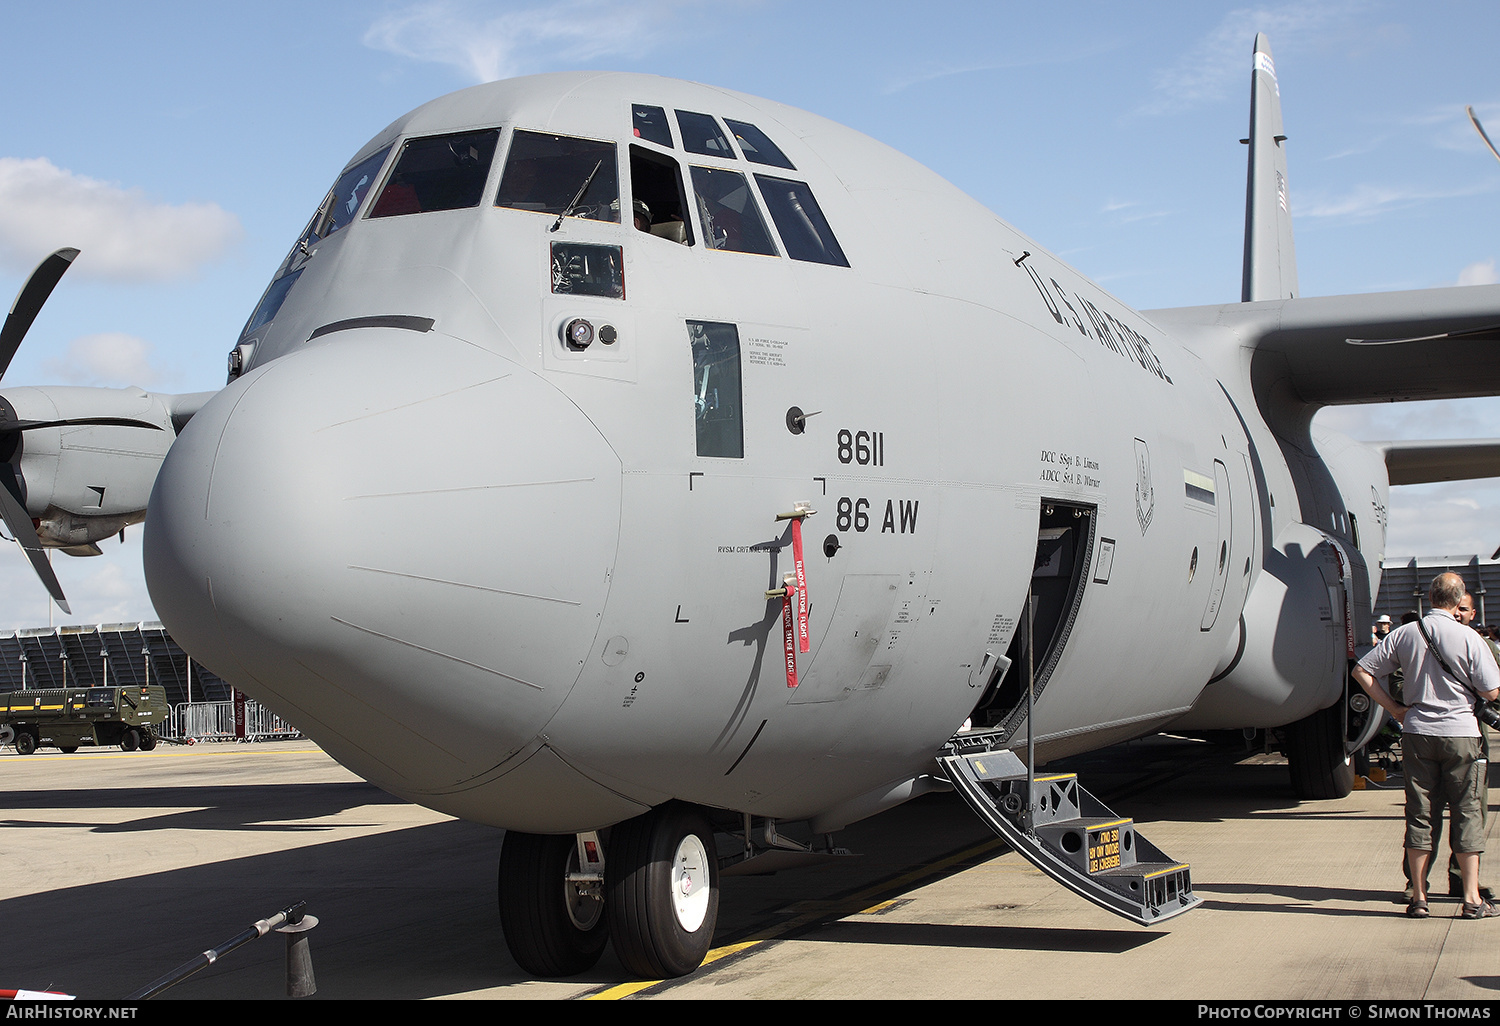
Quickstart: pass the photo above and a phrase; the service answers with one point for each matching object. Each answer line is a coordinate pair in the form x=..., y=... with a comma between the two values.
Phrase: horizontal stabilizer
x=1465, y=459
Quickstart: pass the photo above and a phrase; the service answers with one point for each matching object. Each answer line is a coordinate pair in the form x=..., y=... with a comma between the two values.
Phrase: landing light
x=579, y=333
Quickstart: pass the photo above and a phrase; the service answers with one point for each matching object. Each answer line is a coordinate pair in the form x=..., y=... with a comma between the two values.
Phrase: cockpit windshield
x=804, y=229
x=731, y=220
x=545, y=173
x=442, y=172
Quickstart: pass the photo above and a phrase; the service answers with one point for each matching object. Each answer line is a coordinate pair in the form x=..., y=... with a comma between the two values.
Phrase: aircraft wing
x=1382, y=347
x=1424, y=462
x=182, y=407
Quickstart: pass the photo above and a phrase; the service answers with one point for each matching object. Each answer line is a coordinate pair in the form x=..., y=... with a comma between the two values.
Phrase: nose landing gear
x=554, y=923
x=659, y=898
x=663, y=892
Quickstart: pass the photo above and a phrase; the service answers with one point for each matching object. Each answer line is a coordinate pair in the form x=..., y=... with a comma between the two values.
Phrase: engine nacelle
x=84, y=482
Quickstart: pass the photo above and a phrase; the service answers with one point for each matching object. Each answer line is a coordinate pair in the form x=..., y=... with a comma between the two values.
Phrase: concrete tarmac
x=115, y=868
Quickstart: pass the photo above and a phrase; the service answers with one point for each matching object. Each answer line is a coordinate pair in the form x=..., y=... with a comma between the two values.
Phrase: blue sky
x=182, y=146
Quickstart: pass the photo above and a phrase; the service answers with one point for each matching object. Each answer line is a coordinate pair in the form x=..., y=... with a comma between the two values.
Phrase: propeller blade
x=29, y=425
x=1480, y=129
x=19, y=522
x=29, y=302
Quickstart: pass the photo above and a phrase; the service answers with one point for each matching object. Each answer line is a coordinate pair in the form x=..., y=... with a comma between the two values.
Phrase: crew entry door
x=1064, y=550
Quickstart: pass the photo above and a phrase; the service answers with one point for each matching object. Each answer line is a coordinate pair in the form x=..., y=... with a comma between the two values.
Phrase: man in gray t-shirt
x=1441, y=756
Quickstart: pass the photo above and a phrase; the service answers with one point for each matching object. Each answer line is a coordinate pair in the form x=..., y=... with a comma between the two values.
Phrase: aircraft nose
x=398, y=540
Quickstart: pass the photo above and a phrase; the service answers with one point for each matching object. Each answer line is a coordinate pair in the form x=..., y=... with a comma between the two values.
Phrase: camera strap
x=1443, y=662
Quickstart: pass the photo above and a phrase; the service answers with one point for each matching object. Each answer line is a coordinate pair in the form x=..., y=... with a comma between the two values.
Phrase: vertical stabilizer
x=1270, y=254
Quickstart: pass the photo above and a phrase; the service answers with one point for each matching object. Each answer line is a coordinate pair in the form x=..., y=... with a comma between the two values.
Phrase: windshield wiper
x=578, y=195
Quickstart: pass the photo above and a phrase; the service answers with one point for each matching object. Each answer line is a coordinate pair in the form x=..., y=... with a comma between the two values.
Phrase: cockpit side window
x=659, y=199
x=650, y=124
x=716, y=389
x=700, y=134
x=546, y=172
x=441, y=172
x=348, y=193
x=727, y=209
x=270, y=303
x=757, y=146
x=804, y=230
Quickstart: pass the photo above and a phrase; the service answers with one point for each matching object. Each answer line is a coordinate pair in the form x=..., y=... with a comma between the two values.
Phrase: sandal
x=1483, y=910
x=1419, y=910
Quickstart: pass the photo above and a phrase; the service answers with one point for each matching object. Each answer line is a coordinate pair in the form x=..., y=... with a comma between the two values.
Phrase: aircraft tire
x=550, y=928
x=69, y=749
x=663, y=891
x=130, y=740
x=1315, y=754
x=25, y=742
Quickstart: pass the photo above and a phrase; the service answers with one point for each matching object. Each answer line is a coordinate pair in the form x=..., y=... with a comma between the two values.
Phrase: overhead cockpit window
x=756, y=146
x=700, y=134
x=650, y=124
x=804, y=230
x=716, y=389
x=442, y=172
x=727, y=209
x=557, y=174
x=348, y=193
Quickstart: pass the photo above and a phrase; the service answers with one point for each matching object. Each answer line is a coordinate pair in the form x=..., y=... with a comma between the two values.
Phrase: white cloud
x=110, y=359
x=1366, y=201
x=123, y=234
x=519, y=41
x=1480, y=272
x=932, y=70
x=1221, y=60
x=1453, y=519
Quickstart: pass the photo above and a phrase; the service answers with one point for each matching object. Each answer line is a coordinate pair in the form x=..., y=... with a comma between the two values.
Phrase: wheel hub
x=690, y=891
x=582, y=898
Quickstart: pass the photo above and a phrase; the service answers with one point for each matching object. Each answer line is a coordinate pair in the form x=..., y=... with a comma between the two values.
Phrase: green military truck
x=68, y=717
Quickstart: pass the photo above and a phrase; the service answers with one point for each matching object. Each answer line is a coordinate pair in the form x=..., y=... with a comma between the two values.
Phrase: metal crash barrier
x=217, y=721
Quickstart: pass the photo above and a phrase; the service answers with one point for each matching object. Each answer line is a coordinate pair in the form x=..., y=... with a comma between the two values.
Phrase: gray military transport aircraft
x=504, y=502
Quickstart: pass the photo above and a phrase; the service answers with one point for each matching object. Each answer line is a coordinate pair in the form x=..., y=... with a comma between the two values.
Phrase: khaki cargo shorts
x=1444, y=771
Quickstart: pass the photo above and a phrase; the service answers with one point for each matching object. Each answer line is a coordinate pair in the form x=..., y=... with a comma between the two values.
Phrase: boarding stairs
x=1069, y=834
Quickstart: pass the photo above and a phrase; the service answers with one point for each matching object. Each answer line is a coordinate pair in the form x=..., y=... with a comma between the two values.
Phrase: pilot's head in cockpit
x=642, y=216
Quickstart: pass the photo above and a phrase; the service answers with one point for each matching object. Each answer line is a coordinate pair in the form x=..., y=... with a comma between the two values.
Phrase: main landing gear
x=1320, y=760
x=658, y=897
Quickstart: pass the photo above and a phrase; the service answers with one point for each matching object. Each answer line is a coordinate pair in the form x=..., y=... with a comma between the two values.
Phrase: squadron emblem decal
x=1145, y=494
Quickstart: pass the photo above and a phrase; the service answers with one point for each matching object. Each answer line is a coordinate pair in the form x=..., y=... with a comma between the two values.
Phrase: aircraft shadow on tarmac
x=224, y=807
x=398, y=918
x=410, y=912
